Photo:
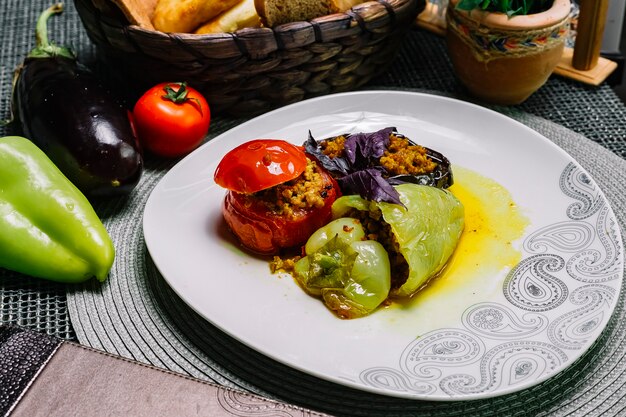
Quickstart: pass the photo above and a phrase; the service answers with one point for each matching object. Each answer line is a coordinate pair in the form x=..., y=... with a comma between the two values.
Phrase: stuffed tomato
x=277, y=196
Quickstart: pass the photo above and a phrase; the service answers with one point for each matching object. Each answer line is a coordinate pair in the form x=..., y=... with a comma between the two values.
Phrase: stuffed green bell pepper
x=48, y=228
x=352, y=275
x=376, y=250
x=420, y=237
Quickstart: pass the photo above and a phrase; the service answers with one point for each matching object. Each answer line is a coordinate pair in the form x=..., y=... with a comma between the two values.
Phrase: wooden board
x=594, y=76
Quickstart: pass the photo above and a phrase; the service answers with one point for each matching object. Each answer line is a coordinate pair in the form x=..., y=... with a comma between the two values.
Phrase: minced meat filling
x=287, y=265
x=306, y=191
x=379, y=230
x=400, y=158
x=333, y=148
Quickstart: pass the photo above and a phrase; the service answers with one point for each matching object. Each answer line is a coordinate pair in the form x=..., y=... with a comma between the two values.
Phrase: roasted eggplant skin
x=63, y=108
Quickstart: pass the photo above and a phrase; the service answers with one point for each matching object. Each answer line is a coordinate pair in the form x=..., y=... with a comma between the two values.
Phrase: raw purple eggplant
x=63, y=108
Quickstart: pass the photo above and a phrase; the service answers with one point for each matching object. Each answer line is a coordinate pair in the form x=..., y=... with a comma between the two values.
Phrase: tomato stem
x=180, y=96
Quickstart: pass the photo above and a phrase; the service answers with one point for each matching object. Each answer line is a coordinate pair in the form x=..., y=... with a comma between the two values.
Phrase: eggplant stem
x=44, y=48
x=41, y=30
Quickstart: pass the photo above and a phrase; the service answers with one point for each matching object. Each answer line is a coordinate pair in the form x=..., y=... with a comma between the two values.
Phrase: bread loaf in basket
x=253, y=69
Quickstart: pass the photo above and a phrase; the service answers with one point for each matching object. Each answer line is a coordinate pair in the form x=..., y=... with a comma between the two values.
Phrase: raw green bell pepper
x=48, y=228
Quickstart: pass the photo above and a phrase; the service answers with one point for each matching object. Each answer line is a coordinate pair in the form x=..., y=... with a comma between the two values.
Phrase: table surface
x=593, y=112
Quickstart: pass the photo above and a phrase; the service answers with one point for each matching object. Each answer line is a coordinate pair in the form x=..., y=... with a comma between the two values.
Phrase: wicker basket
x=257, y=69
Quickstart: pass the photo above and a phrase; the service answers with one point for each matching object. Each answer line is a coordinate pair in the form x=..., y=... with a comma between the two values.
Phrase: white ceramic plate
x=513, y=330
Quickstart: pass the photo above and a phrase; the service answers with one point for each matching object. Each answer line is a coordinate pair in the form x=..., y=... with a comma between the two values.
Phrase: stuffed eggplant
x=411, y=243
x=370, y=164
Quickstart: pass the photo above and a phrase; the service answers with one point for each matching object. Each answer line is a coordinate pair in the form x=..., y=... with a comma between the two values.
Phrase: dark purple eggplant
x=61, y=106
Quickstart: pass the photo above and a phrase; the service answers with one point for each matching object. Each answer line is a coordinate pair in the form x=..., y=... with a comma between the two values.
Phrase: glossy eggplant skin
x=65, y=110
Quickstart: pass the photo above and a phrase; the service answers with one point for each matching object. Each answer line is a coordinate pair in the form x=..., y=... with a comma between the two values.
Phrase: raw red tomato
x=259, y=164
x=171, y=119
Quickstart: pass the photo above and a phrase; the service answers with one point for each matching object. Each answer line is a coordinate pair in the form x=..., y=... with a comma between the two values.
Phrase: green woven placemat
x=136, y=314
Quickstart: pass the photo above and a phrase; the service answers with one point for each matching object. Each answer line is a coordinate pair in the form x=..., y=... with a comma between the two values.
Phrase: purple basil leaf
x=369, y=184
x=364, y=149
x=336, y=166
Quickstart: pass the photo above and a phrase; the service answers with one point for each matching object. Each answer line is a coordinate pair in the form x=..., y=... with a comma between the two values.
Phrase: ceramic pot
x=501, y=59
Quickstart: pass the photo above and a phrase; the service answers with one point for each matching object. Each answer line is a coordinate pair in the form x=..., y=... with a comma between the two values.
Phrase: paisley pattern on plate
x=243, y=405
x=558, y=299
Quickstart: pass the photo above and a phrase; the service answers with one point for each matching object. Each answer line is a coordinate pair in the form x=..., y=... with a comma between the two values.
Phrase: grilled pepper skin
x=48, y=228
x=64, y=109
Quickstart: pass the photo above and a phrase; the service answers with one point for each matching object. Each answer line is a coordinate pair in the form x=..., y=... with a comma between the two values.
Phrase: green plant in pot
x=502, y=51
